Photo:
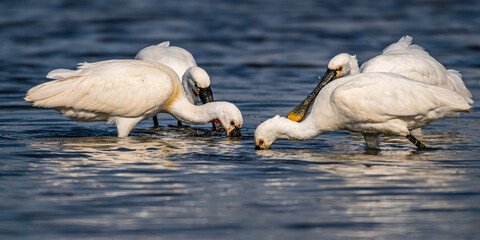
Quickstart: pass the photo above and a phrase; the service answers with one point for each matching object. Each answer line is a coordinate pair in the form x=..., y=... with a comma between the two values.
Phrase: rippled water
x=65, y=179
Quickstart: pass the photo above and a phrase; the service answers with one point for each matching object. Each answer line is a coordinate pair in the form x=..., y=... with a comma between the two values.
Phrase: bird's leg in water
x=372, y=140
x=415, y=141
x=155, y=121
x=179, y=125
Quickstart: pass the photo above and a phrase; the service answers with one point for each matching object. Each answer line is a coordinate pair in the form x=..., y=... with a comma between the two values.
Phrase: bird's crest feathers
x=164, y=44
x=405, y=43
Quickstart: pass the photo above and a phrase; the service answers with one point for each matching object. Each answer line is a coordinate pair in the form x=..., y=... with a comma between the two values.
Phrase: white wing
x=127, y=88
x=413, y=62
x=378, y=97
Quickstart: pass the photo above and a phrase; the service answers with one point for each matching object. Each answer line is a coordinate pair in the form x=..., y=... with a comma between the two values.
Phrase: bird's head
x=229, y=116
x=342, y=65
x=266, y=133
x=197, y=82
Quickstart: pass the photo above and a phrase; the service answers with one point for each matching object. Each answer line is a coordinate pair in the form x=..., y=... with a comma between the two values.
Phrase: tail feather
x=39, y=95
x=456, y=78
x=458, y=103
x=61, y=83
x=59, y=74
x=405, y=43
x=164, y=44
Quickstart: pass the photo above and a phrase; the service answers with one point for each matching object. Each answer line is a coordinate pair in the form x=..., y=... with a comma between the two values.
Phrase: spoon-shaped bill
x=299, y=113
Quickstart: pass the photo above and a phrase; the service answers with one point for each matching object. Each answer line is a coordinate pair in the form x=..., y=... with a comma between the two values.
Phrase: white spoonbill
x=368, y=103
x=402, y=57
x=195, y=80
x=125, y=92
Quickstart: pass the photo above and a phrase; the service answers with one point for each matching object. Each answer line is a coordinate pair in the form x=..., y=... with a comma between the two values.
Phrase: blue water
x=61, y=179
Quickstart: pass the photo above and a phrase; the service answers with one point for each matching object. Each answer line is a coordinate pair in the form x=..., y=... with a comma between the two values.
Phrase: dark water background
x=70, y=180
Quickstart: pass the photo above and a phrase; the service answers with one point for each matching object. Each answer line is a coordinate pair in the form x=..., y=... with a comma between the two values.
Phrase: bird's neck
x=187, y=85
x=354, y=68
x=305, y=130
x=184, y=111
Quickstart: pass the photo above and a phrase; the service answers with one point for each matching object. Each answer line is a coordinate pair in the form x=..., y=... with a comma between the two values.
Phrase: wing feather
x=126, y=88
x=377, y=97
x=412, y=61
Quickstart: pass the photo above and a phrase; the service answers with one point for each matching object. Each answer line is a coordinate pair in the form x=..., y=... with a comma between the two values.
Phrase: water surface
x=65, y=179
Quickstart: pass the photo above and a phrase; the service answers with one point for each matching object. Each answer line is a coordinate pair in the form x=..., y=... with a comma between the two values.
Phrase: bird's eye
x=260, y=142
x=232, y=123
x=339, y=68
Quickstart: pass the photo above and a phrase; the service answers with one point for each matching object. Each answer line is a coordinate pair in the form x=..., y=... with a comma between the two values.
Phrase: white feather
x=124, y=92
x=368, y=103
x=413, y=62
x=182, y=62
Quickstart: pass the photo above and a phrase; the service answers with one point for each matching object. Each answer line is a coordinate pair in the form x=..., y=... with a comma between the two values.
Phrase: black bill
x=236, y=132
x=299, y=113
x=205, y=95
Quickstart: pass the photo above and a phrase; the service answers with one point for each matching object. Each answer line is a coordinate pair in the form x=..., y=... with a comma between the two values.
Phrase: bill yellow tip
x=295, y=117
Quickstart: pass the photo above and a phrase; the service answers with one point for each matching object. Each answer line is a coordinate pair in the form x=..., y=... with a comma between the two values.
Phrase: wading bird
x=402, y=57
x=370, y=104
x=125, y=92
x=195, y=80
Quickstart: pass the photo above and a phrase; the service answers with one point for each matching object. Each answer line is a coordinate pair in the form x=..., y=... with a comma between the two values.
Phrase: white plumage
x=411, y=61
x=182, y=62
x=124, y=92
x=402, y=57
x=195, y=80
x=368, y=103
